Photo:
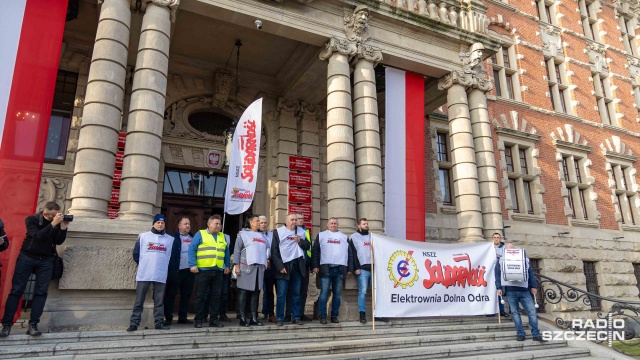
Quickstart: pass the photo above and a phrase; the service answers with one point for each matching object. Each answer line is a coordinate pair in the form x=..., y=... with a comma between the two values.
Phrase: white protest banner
x=418, y=279
x=243, y=165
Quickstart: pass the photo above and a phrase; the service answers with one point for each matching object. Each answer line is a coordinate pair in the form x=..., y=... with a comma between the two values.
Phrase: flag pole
x=373, y=287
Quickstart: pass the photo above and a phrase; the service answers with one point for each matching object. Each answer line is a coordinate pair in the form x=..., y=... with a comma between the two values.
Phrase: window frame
x=62, y=109
x=505, y=75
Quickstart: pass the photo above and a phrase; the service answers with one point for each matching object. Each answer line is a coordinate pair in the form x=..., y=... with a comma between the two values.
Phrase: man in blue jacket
x=520, y=292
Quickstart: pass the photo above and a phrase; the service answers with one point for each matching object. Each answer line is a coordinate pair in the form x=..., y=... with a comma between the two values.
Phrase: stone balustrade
x=467, y=15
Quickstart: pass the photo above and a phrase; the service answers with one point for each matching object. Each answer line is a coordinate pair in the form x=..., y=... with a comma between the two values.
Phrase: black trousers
x=180, y=283
x=268, y=301
x=25, y=266
x=208, y=280
x=304, y=290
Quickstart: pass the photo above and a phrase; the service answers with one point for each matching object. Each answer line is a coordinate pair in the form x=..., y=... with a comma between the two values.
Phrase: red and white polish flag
x=404, y=199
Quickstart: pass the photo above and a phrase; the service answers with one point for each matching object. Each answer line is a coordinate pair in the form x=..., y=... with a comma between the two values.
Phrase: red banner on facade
x=305, y=210
x=300, y=196
x=299, y=163
x=300, y=180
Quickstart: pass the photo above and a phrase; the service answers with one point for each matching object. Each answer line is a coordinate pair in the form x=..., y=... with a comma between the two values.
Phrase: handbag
x=58, y=267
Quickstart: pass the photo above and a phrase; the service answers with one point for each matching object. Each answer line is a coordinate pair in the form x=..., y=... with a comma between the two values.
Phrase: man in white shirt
x=180, y=279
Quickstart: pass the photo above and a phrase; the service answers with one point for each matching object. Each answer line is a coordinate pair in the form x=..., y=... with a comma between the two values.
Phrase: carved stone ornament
x=551, y=41
x=342, y=46
x=356, y=24
x=473, y=73
x=171, y=4
x=369, y=53
x=288, y=105
x=223, y=80
x=596, y=55
x=176, y=123
x=633, y=64
x=54, y=189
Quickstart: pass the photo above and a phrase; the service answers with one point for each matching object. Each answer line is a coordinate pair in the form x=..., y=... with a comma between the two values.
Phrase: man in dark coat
x=180, y=279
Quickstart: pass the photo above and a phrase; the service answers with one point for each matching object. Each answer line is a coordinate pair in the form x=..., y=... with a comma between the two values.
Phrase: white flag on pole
x=243, y=165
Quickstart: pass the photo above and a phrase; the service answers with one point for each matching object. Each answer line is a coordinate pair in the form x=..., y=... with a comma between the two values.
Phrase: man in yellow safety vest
x=209, y=259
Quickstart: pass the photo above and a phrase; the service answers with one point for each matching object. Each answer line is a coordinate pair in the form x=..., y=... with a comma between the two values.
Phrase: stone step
x=334, y=350
x=354, y=328
x=238, y=341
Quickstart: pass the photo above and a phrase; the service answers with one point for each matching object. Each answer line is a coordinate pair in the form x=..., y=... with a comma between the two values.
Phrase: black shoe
x=167, y=322
x=384, y=320
x=520, y=338
x=504, y=314
x=254, y=320
x=162, y=327
x=6, y=330
x=323, y=320
x=33, y=330
x=215, y=323
x=335, y=320
x=305, y=318
x=539, y=339
x=132, y=328
x=296, y=322
x=279, y=323
x=363, y=318
x=197, y=325
x=224, y=318
x=287, y=318
x=184, y=321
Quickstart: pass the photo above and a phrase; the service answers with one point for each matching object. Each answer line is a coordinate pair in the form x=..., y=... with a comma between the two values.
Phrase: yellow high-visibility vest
x=211, y=251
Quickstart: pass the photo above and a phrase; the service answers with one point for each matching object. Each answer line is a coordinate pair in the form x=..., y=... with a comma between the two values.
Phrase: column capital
x=342, y=46
x=171, y=4
x=309, y=109
x=369, y=53
x=473, y=74
x=288, y=105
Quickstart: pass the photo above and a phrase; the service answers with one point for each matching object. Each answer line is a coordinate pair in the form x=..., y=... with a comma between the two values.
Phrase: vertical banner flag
x=415, y=279
x=243, y=165
x=404, y=156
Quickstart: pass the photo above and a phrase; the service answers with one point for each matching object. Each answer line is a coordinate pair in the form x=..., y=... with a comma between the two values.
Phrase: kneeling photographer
x=37, y=256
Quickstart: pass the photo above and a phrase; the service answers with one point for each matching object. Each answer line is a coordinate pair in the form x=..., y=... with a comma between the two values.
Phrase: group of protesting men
x=262, y=259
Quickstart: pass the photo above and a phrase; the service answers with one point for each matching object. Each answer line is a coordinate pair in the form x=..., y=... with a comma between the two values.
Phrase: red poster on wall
x=300, y=196
x=305, y=210
x=300, y=180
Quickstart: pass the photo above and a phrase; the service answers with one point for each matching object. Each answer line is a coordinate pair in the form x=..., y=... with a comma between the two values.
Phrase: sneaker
x=132, y=328
x=296, y=322
x=323, y=320
x=197, y=325
x=224, y=318
x=33, y=330
x=279, y=323
x=520, y=338
x=162, y=326
x=287, y=318
x=215, y=323
x=539, y=339
x=6, y=330
x=305, y=318
x=335, y=320
x=363, y=318
x=184, y=321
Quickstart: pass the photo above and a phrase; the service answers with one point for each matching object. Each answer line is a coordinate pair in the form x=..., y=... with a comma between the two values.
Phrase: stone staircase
x=437, y=338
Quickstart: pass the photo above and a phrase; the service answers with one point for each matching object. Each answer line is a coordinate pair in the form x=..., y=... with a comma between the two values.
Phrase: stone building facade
x=502, y=127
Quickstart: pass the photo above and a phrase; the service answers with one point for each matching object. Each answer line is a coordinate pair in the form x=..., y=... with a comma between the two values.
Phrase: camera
x=258, y=24
x=67, y=218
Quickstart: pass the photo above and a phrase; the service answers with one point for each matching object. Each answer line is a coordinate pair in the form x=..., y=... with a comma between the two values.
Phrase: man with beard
x=250, y=258
x=180, y=278
x=330, y=256
x=268, y=302
x=287, y=255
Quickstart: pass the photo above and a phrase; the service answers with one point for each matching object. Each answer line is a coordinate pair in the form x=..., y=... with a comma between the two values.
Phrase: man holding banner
x=287, y=257
x=329, y=256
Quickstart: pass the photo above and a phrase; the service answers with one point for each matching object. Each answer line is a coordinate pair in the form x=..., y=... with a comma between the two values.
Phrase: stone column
x=341, y=199
x=369, y=191
x=465, y=174
x=485, y=162
x=144, y=127
x=98, y=139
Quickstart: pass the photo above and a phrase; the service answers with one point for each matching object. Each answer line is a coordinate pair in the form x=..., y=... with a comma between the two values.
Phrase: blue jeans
x=525, y=298
x=295, y=281
x=364, y=279
x=334, y=279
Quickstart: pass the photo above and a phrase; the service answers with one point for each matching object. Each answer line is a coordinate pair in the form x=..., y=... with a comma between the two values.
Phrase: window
x=444, y=168
x=505, y=76
x=520, y=182
x=590, y=275
x=627, y=28
x=546, y=11
x=558, y=88
x=636, y=272
x=194, y=183
x=606, y=106
x=60, y=122
x=636, y=95
x=589, y=19
x=626, y=199
x=577, y=200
